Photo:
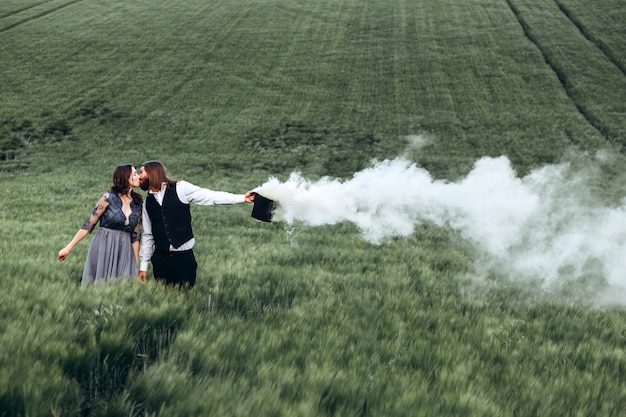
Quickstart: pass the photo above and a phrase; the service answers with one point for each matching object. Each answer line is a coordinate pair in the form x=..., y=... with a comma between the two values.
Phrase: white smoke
x=544, y=226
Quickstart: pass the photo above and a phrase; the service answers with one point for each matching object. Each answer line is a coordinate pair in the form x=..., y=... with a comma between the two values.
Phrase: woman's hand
x=63, y=253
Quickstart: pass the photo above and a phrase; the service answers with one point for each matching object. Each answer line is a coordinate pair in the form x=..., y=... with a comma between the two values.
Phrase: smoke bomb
x=543, y=226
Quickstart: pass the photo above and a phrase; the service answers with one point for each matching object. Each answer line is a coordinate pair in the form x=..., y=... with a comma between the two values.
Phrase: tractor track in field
x=36, y=16
x=591, y=38
x=562, y=77
x=14, y=12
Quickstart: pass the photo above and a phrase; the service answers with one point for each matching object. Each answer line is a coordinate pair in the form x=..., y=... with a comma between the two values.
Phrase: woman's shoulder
x=106, y=195
x=111, y=195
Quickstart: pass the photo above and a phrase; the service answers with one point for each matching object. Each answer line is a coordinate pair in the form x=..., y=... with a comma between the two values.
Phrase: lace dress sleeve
x=100, y=208
x=136, y=233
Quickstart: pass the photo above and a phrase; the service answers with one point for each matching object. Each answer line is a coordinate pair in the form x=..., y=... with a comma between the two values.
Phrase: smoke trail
x=544, y=226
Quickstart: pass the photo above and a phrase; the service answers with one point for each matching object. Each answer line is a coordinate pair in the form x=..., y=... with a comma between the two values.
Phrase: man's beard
x=144, y=184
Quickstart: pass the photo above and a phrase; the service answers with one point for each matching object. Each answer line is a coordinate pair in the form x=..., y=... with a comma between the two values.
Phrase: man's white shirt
x=187, y=193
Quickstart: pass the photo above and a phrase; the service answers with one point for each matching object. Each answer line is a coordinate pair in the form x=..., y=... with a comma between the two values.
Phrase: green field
x=471, y=153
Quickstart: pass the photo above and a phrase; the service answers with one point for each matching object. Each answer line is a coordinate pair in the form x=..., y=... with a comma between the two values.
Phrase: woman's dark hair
x=121, y=174
x=157, y=175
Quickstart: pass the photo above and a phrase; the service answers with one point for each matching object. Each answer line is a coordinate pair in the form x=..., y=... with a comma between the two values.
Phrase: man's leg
x=175, y=268
x=161, y=266
x=186, y=268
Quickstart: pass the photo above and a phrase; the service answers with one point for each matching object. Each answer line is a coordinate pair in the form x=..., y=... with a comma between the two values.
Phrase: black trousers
x=175, y=268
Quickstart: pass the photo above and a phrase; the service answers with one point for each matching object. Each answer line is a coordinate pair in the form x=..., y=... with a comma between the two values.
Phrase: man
x=167, y=239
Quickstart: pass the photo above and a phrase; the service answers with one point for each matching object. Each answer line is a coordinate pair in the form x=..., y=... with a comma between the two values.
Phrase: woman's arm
x=135, y=239
x=87, y=227
x=63, y=253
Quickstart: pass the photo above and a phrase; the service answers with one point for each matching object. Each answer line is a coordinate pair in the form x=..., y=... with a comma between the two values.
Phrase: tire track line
x=14, y=12
x=38, y=15
x=562, y=77
x=591, y=38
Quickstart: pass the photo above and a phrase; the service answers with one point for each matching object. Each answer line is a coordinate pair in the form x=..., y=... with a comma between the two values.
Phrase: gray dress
x=110, y=253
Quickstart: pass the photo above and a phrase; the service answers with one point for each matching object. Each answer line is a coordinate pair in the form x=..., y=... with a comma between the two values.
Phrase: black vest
x=171, y=221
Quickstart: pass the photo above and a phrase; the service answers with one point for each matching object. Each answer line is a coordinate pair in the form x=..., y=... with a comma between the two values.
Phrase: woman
x=114, y=250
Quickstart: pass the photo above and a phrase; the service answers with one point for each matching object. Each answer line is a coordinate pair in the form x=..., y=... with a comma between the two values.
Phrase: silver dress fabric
x=110, y=257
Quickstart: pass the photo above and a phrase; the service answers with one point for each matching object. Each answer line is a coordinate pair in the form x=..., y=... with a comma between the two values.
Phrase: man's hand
x=143, y=276
x=250, y=197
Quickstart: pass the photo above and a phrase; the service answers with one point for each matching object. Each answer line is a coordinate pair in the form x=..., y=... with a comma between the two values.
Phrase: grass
x=290, y=319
